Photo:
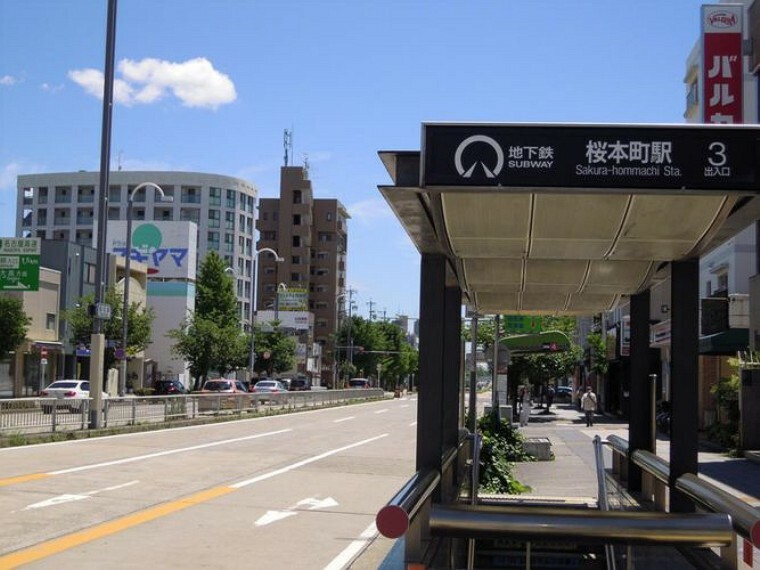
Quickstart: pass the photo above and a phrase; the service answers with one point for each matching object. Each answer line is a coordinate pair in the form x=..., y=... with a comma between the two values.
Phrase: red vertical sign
x=722, y=64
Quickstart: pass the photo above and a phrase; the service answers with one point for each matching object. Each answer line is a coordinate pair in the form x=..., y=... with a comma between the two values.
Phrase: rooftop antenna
x=287, y=142
x=306, y=165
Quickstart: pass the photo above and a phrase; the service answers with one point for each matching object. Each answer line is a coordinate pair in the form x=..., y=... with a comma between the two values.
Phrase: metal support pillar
x=451, y=378
x=684, y=370
x=431, y=369
x=640, y=436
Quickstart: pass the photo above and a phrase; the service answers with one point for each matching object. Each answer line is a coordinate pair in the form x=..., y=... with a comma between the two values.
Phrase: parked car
x=269, y=386
x=168, y=387
x=358, y=383
x=69, y=394
x=217, y=385
x=299, y=384
x=564, y=393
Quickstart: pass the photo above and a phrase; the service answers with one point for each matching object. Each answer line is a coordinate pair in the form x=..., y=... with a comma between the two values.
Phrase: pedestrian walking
x=525, y=411
x=588, y=405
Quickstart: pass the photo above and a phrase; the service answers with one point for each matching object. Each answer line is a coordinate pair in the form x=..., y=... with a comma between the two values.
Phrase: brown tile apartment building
x=312, y=237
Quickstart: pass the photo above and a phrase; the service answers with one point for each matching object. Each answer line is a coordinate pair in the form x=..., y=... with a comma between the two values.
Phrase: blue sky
x=210, y=86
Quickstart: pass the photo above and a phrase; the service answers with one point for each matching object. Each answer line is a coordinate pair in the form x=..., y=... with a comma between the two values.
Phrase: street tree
x=14, y=323
x=210, y=339
x=140, y=321
x=275, y=351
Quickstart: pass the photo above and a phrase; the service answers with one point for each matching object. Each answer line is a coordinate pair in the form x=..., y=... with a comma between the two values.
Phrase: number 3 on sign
x=718, y=150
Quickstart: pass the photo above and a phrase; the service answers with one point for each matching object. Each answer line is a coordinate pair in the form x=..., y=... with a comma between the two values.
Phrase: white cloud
x=370, y=211
x=8, y=176
x=194, y=82
x=8, y=80
x=51, y=88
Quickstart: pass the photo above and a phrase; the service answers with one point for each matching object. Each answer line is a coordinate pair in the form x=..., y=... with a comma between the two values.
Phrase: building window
x=265, y=216
x=213, y=240
x=324, y=236
x=321, y=323
x=295, y=260
x=231, y=199
x=296, y=241
x=215, y=196
x=190, y=195
x=296, y=219
x=275, y=216
x=229, y=220
x=214, y=218
x=229, y=243
x=723, y=282
x=320, y=305
x=269, y=271
x=250, y=204
x=89, y=273
x=50, y=321
x=323, y=255
x=295, y=277
x=329, y=216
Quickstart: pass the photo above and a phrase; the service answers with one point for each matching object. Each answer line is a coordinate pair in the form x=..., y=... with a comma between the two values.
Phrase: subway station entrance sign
x=599, y=158
x=19, y=264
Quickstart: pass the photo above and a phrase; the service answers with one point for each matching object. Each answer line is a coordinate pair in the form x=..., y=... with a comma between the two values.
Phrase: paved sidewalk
x=573, y=474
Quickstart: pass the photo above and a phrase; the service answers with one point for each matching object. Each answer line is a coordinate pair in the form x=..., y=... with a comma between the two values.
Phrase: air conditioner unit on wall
x=738, y=310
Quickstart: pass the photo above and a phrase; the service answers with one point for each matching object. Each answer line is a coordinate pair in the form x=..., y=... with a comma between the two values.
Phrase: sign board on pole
x=722, y=63
x=522, y=324
x=19, y=264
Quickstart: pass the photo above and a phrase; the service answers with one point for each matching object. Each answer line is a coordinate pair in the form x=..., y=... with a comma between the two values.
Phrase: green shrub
x=502, y=446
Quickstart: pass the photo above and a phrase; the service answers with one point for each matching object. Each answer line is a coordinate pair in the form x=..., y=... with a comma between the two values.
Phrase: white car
x=67, y=394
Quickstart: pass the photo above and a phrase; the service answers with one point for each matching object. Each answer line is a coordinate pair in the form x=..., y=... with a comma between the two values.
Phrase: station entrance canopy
x=571, y=219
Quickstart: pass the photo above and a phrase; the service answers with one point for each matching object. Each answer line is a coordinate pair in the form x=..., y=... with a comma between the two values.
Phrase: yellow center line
x=23, y=478
x=45, y=549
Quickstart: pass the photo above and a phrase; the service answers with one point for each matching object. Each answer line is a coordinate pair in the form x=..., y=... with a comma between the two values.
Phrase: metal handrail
x=652, y=464
x=393, y=519
x=604, y=506
x=745, y=518
x=583, y=525
x=618, y=444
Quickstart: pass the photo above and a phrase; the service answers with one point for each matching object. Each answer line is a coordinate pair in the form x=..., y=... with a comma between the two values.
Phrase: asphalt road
x=291, y=491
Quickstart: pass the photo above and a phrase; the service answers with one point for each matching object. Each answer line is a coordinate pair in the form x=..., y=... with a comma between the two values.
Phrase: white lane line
x=298, y=464
x=340, y=561
x=344, y=419
x=164, y=453
x=381, y=411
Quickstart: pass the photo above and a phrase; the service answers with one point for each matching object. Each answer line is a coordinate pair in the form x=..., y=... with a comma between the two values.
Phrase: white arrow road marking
x=274, y=516
x=60, y=499
x=343, y=419
x=311, y=503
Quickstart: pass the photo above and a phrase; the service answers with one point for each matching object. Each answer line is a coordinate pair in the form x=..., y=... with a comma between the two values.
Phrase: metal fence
x=45, y=415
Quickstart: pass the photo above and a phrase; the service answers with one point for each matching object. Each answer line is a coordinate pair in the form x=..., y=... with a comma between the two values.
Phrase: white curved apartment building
x=64, y=206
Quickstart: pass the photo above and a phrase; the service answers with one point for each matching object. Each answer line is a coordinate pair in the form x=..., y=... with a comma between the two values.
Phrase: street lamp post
x=253, y=298
x=127, y=268
x=280, y=287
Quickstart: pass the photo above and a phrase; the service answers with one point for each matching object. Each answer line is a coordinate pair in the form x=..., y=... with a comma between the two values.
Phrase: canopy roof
x=571, y=219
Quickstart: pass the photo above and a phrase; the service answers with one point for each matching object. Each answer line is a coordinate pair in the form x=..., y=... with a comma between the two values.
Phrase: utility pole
x=371, y=304
x=100, y=310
